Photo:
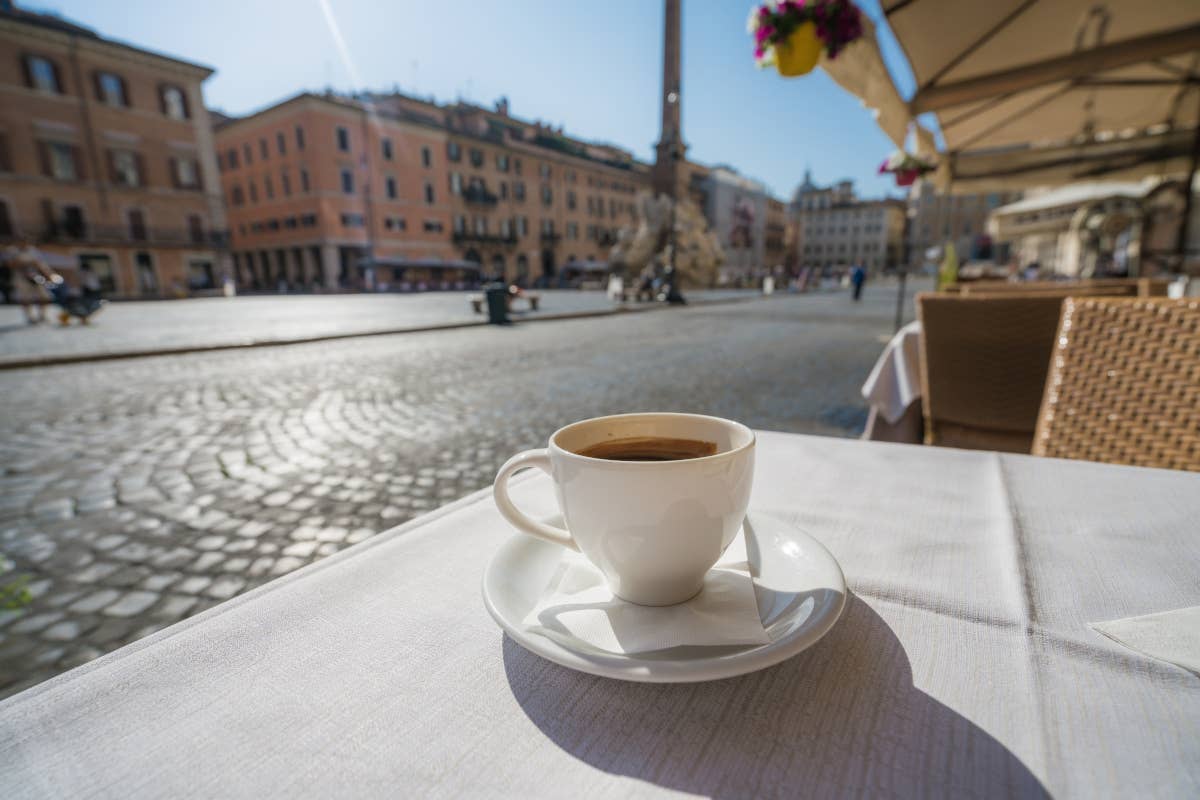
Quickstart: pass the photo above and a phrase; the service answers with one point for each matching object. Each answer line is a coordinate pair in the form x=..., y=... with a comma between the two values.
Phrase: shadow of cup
x=840, y=719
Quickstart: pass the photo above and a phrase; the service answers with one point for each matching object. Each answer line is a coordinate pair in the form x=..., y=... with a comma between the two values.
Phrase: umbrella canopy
x=1039, y=92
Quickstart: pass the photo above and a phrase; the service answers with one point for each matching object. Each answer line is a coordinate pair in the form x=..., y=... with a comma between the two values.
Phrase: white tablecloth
x=895, y=382
x=963, y=665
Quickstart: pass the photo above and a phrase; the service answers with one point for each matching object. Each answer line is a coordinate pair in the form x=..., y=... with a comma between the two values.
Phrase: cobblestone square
x=137, y=493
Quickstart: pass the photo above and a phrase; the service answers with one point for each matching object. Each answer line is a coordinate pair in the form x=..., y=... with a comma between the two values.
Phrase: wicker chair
x=983, y=367
x=1124, y=384
x=1115, y=287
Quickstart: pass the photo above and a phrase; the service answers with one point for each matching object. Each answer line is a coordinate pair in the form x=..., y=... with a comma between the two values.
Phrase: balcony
x=551, y=236
x=60, y=233
x=460, y=237
x=478, y=196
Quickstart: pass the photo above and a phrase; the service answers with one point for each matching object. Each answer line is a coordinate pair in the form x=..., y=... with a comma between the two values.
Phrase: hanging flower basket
x=906, y=168
x=793, y=34
x=798, y=54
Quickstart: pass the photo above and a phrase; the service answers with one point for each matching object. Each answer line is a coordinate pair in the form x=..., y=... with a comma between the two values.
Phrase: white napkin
x=1172, y=636
x=577, y=604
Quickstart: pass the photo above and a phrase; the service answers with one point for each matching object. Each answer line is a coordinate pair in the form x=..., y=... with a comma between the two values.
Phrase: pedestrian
x=858, y=276
x=30, y=275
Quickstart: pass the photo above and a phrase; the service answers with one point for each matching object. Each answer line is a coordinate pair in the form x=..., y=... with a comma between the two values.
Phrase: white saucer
x=798, y=584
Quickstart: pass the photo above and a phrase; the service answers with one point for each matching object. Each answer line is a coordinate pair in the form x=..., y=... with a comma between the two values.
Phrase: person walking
x=858, y=276
x=29, y=276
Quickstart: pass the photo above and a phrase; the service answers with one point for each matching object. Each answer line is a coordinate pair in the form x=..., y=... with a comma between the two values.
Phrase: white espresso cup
x=653, y=528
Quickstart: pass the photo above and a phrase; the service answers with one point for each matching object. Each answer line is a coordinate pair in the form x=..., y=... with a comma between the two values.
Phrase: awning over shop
x=417, y=263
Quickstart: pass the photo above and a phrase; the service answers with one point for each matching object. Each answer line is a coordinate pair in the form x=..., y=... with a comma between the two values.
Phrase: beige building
x=834, y=228
x=106, y=158
x=962, y=218
x=334, y=192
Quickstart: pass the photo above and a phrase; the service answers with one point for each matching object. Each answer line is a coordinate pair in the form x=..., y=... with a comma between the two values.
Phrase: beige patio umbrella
x=1043, y=92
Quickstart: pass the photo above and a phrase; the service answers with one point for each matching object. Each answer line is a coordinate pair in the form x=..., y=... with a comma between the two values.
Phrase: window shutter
x=98, y=86
x=58, y=81
x=125, y=92
x=140, y=163
x=199, y=176
x=26, y=70
x=174, y=168
x=80, y=168
x=5, y=158
x=187, y=107
x=113, y=177
x=44, y=157
x=162, y=98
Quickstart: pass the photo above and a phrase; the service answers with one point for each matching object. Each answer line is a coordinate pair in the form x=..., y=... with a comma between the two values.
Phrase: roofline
x=95, y=38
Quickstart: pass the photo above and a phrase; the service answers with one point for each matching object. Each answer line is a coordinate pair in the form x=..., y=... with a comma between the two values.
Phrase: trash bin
x=497, y=303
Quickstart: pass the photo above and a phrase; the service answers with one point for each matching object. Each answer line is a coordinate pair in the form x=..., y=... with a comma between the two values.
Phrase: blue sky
x=593, y=67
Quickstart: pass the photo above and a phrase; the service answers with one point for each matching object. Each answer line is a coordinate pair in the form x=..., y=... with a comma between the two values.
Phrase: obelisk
x=669, y=152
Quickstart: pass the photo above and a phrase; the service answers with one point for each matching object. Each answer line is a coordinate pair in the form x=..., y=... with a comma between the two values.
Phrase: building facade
x=962, y=218
x=346, y=193
x=834, y=228
x=736, y=208
x=106, y=158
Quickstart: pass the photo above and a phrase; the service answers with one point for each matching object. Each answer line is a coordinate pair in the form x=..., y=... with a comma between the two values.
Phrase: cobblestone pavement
x=137, y=493
x=158, y=325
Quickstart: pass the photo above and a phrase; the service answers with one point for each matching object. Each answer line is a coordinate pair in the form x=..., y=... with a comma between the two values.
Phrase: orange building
x=332, y=192
x=106, y=158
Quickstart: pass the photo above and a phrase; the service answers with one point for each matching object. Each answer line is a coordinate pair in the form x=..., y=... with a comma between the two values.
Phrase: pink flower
x=758, y=52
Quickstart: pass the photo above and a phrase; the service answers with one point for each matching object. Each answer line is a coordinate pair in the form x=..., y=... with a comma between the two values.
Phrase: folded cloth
x=578, y=605
x=1172, y=636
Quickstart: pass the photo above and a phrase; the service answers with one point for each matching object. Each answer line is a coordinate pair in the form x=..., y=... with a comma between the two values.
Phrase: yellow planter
x=800, y=53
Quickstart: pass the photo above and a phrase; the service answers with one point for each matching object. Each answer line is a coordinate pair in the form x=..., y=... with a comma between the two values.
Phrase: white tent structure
x=1040, y=92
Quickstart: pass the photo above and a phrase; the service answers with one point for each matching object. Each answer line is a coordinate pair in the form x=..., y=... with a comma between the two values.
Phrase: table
x=893, y=389
x=962, y=666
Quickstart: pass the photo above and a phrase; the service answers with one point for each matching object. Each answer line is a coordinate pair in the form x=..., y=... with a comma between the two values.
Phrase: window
x=353, y=220
x=263, y=150
x=285, y=183
x=517, y=165
x=125, y=167
x=343, y=140
x=571, y=201
x=195, y=224
x=547, y=194
x=42, y=74
x=101, y=267
x=387, y=149
x=308, y=220
x=248, y=153
x=304, y=180
x=547, y=227
x=347, y=182
x=429, y=198
x=137, y=225
x=281, y=143
x=395, y=223
x=455, y=183
x=253, y=191
x=174, y=102
x=426, y=157
x=268, y=187
x=522, y=226
x=231, y=158
x=290, y=223
x=147, y=280
x=110, y=89
x=460, y=223
x=61, y=161
x=390, y=186
x=476, y=157
x=6, y=226
x=453, y=151
x=572, y=230
x=519, y=191
x=200, y=274
x=503, y=190
x=299, y=138
x=433, y=226
x=187, y=173
x=502, y=162
x=506, y=228
x=236, y=197
x=481, y=226
x=544, y=170
x=73, y=222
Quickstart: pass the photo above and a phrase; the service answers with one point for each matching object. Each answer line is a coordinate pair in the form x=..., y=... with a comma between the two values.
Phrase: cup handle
x=517, y=518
